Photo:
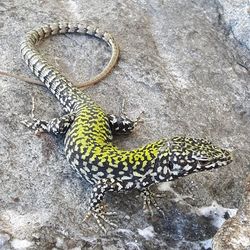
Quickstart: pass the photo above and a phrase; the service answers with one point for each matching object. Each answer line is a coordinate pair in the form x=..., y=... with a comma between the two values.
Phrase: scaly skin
x=88, y=139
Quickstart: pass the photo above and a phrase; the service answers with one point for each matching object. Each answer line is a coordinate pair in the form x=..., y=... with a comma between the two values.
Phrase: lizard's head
x=188, y=155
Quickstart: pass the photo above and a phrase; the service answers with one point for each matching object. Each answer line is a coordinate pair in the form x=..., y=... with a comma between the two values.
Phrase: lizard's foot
x=149, y=201
x=36, y=125
x=100, y=214
x=138, y=118
x=122, y=124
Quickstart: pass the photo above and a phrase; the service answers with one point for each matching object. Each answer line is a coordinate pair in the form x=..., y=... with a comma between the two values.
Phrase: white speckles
x=210, y=166
x=109, y=170
x=75, y=162
x=67, y=157
x=100, y=164
x=161, y=177
x=99, y=197
x=94, y=168
x=175, y=170
x=33, y=61
x=113, y=120
x=26, y=51
x=38, y=67
x=124, y=178
x=148, y=233
x=176, y=167
x=159, y=169
x=198, y=166
x=175, y=173
x=119, y=186
x=129, y=185
x=82, y=171
x=100, y=174
x=21, y=244
x=154, y=174
x=175, y=159
x=187, y=167
x=165, y=170
x=138, y=185
x=84, y=163
x=61, y=88
x=87, y=170
x=109, y=176
x=121, y=172
x=136, y=174
x=103, y=188
x=55, y=84
x=125, y=122
x=68, y=154
x=45, y=71
x=24, y=47
x=125, y=168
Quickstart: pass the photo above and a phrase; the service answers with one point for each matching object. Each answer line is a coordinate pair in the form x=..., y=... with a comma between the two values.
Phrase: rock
x=179, y=65
x=4, y=238
x=235, y=233
x=236, y=16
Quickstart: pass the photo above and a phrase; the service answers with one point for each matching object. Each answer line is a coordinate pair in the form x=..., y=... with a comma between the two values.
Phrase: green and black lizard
x=88, y=133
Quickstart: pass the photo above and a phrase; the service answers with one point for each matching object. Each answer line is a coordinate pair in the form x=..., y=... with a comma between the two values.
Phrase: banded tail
x=55, y=81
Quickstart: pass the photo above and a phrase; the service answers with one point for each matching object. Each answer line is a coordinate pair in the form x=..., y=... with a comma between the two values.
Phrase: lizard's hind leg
x=97, y=209
x=55, y=126
x=149, y=201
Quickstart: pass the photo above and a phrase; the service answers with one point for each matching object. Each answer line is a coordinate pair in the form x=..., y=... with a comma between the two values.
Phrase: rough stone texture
x=237, y=18
x=235, y=233
x=180, y=65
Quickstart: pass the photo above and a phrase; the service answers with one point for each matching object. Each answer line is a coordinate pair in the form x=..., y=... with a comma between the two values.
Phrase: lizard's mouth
x=206, y=164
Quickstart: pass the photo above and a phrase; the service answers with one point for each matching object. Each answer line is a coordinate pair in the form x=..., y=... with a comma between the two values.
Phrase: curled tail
x=55, y=81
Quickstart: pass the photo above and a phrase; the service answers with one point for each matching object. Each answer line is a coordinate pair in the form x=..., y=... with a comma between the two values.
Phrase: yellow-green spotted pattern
x=88, y=141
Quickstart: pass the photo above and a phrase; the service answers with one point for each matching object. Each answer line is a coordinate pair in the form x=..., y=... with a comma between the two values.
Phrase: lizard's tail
x=57, y=83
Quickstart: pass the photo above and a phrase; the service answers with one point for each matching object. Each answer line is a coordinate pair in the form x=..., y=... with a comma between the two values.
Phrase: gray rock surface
x=236, y=15
x=235, y=233
x=180, y=66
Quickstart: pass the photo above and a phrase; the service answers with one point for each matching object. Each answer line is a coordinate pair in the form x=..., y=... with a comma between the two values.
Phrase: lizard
x=89, y=130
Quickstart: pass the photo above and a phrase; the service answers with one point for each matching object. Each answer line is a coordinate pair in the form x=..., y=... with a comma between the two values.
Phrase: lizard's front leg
x=55, y=126
x=121, y=124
